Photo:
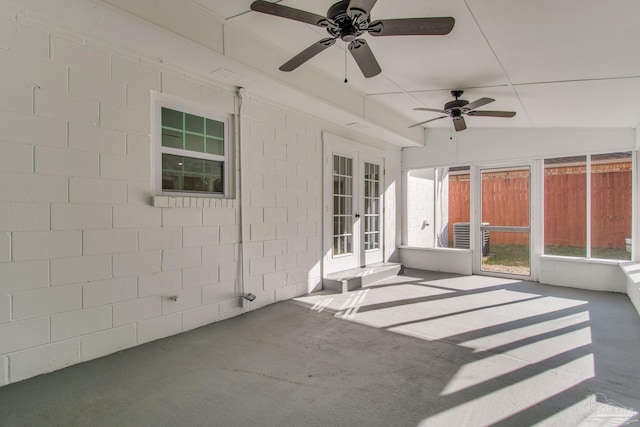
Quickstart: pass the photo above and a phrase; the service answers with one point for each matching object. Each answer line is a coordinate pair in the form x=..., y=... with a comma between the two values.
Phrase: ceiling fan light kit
x=458, y=108
x=348, y=20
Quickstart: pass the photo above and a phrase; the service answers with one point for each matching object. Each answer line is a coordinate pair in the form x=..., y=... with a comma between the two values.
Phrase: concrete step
x=356, y=278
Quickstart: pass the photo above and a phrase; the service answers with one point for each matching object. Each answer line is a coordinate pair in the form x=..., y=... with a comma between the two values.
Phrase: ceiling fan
x=459, y=107
x=348, y=20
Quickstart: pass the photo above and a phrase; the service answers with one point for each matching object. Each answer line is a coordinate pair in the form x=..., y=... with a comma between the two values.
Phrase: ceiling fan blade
x=363, y=55
x=485, y=113
x=427, y=121
x=412, y=27
x=478, y=103
x=459, y=124
x=435, y=110
x=357, y=8
x=289, y=13
x=307, y=54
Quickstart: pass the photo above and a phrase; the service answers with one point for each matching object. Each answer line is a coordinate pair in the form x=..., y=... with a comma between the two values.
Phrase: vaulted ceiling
x=567, y=63
x=556, y=63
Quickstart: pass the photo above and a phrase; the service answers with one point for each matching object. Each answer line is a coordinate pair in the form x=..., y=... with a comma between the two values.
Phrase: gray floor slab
x=415, y=350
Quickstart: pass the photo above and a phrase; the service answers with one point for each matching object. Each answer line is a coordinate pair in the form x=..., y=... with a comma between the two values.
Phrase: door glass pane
x=611, y=198
x=342, y=203
x=505, y=203
x=565, y=206
x=371, y=203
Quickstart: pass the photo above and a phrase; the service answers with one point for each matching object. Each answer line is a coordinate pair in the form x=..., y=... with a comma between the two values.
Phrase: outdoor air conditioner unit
x=462, y=237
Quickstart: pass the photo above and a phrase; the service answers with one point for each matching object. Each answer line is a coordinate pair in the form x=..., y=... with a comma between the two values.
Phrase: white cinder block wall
x=88, y=257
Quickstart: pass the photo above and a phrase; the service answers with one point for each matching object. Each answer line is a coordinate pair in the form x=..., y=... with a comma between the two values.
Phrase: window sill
x=418, y=248
x=192, y=202
x=583, y=260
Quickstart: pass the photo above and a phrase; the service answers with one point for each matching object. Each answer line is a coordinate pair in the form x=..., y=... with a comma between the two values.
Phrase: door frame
x=360, y=153
x=535, y=186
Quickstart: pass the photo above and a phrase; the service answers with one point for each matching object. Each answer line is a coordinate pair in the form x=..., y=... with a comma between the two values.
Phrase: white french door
x=353, y=216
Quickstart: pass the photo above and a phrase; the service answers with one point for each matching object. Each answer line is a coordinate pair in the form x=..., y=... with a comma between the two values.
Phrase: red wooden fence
x=505, y=200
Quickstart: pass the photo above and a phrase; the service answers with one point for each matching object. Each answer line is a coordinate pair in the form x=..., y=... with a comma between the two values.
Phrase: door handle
x=357, y=215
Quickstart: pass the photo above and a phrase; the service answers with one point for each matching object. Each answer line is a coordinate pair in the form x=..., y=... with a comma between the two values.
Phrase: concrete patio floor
x=420, y=349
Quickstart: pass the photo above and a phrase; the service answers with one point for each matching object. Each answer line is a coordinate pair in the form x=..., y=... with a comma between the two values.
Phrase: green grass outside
x=518, y=255
x=601, y=253
x=510, y=255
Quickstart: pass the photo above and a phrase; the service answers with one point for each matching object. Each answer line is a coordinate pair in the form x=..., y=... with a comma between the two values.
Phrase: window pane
x=194, y=123
x=215, y=146
x=611, y=205
x=181, y=173
x=172, y=163
x=193, y=183
x=171, y=138
x=193, y=166
x=214, y=176
x=172, y=118
x=215, y=128
x=565, y=206
x=194, y=143
x=171, y=181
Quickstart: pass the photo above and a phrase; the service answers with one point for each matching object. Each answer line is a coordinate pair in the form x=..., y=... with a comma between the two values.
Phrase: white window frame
x=634, y=215
x=201, y=111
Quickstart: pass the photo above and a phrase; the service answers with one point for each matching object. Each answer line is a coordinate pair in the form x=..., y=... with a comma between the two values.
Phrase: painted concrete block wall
x=593, y=275
x=88, y=256
x=632, y=272
x=446, y=260
x=281, y=198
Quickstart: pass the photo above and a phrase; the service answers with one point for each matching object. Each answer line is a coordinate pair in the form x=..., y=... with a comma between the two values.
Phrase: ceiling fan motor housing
x=347, y=28
x=455, y=105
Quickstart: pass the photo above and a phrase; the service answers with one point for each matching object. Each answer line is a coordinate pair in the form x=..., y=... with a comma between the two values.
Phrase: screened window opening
x=193, y=152
x=588, y=206
x=438, y=207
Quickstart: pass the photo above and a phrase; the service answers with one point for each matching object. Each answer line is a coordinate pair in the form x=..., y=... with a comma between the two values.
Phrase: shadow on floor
x=541, y=354
x=416, y=350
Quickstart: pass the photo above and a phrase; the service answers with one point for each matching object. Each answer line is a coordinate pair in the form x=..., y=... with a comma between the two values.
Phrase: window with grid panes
x=193, y=152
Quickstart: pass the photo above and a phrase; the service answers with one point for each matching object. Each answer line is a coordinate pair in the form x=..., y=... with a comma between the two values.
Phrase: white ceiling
x=557, y=63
